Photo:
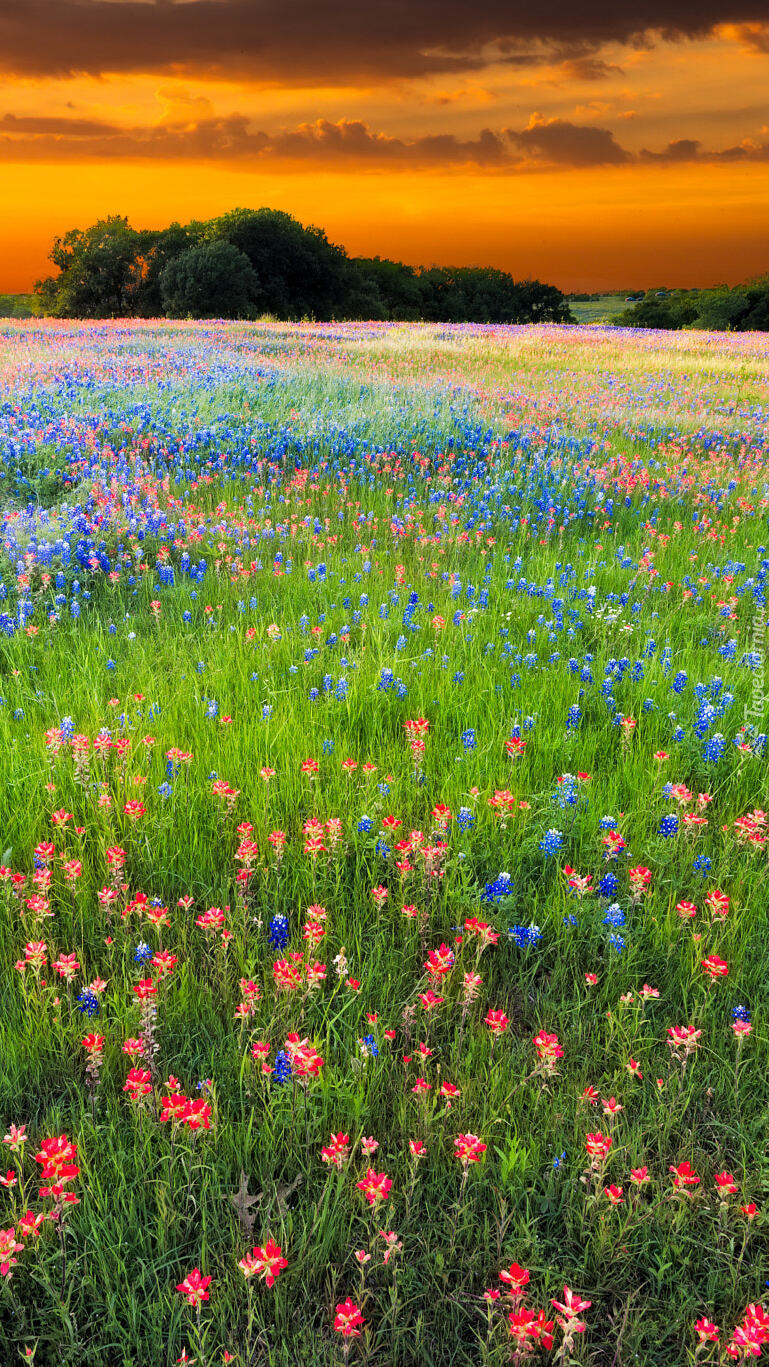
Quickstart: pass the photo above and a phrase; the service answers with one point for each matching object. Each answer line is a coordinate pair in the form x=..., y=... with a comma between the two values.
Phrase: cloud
x=75, y=128
x=586, y=69
x=751, y=37
x=302, y=41
x=354, y=140
x=182, y=108
x=691, y=149
x=544, y=144
x=347, y=142
x=683, y=149
x=744, y=151
x=569, y=144
x=350, y=142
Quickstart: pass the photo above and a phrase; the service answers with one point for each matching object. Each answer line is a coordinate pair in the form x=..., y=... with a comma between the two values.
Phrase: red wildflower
x=684, y=1175
x=267, y=1262
x=514, y=1276
x=469, y=1149
x=194, y=1288
x=348, y=1319
x=375, y=1186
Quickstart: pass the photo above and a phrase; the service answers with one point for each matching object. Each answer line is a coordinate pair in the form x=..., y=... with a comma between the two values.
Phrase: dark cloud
x=690, y=149
x=350, y=142
x=746, y=151
x=588, y=69
x=683, y=149
x=73, y=128
x=354, y=140
x=296, y=41
x=569, y=144
x=754, y=37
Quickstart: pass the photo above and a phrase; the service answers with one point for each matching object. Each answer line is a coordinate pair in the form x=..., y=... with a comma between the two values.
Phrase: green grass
x=151, y=1206
x=601, y=310
x=19, y=306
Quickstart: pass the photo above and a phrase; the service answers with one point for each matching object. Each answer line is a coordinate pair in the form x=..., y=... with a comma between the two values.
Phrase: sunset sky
x=607, y=144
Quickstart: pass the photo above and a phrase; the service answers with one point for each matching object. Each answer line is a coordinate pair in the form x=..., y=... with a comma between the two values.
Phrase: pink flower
x=194, y=1288
x=348, y=1319
x=375, y=1186
x=267, y=1262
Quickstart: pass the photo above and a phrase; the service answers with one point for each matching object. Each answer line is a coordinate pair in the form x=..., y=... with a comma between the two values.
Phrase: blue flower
x=142, y=953
x=668, y=826
x=551, y=843
x=566, y=794
x=608, y=885
x=278, y=928
x=525, y=935
x=365, y=824
x=714, y=748
x=500, y=887
x=468, y=740
x=614, y=916
x=282, y=1069
x=88, y=1002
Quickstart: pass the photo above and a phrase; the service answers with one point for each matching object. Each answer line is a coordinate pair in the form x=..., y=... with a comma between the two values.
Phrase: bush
x=214, y=280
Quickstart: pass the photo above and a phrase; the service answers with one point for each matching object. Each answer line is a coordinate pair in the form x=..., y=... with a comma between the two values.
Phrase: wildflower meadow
x=383, y=867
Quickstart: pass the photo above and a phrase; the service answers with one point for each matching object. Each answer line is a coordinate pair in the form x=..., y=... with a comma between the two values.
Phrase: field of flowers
x=383, y=868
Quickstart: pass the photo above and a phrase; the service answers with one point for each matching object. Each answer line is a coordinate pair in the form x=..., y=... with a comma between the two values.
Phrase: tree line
x=251, y=262
x=736, y=308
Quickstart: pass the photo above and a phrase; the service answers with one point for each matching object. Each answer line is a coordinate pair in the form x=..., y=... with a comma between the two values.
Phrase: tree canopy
x=214, y=280
x=740, y=308
x=253, y=261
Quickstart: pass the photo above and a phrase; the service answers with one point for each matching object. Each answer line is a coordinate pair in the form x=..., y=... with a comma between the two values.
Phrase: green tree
x=112, y=270
x=214, y=280
x=721, y=310
x=160, y=248
x=649, y=313
x=482, y=294
x=757, y=317
x=301, y=273
x=393, y=288
x=100, y=271
x=541, y=303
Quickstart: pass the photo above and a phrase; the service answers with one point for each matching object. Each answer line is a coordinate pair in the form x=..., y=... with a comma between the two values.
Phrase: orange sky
x=592, y=157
